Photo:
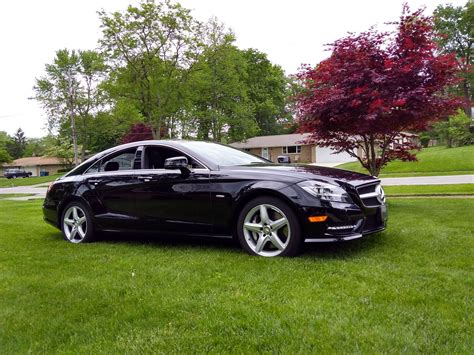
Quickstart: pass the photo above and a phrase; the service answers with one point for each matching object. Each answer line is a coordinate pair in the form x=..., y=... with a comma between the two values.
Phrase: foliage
x=35, y=147
x=17, y=144
x=455, y=29
x=61, y=148
x=137, y=132
x=70, y=94
x=432, y=161
x=149, y=49
x=455, y=130
x=373, y=87
x=221, y=106
x=267, y=89
x=407, y=290
x=5, y=157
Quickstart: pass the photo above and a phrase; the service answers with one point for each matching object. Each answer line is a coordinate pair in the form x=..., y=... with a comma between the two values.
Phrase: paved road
x=39, y=191
x=429, y=180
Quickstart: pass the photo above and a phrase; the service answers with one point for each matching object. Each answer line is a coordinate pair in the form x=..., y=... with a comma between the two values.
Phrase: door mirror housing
x=180, y=163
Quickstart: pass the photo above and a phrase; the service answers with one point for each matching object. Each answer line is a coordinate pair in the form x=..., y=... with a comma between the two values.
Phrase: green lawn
x=408, y=289
x=27, y=181
x=431, y=162
x=407, y=190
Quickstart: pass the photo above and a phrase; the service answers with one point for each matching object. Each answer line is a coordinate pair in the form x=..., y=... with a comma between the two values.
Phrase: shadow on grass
x=332, y=250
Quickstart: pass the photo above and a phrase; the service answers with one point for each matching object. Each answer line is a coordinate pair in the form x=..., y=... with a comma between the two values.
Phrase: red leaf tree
x=137, y=132
x=375, y=86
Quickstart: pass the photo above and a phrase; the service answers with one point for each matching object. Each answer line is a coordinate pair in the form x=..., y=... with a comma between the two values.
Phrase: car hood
x=307, y=172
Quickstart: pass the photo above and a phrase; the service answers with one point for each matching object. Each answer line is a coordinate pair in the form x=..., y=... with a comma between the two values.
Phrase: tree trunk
x=74, y=137
x=467, y=98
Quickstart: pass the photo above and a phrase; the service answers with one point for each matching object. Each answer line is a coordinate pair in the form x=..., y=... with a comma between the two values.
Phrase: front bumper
x=345, y=222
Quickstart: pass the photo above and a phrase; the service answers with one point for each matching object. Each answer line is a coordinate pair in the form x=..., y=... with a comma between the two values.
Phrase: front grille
x=371, y=195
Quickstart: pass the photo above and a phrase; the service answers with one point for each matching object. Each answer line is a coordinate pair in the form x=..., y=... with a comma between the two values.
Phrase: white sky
x=290, y=32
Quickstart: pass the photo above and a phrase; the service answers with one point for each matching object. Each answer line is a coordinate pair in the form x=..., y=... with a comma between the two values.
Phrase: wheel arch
x=67, y=201
x=256, y=193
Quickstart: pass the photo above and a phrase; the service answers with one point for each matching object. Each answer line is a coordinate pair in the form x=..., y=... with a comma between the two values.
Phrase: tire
x=76, y=223
x=268, y=227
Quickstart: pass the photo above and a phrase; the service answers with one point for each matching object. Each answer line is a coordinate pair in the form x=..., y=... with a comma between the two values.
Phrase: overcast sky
x=291, y=32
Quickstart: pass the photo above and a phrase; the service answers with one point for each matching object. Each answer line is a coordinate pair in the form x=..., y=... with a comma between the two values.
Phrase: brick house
x=292, y=145
x=35, y=165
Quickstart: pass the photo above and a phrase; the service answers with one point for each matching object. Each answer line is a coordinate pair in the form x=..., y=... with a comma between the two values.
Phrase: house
x=294, y=146
x=36, y=165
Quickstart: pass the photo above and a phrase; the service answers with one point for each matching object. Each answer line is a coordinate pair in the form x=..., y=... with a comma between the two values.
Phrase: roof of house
x=32, y=161
x=282, y=140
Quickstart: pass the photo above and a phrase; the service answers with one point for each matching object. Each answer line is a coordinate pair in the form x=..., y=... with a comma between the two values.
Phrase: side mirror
x=180, y=163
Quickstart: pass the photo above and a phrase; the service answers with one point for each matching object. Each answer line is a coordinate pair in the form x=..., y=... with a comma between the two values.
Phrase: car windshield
x=222, y=155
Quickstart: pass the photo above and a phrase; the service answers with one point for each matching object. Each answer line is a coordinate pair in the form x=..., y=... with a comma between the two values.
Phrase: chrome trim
x=323, y=240
x=342, y=227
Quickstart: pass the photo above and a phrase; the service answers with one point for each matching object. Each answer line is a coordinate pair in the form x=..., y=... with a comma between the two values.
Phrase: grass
x=4, y=182
x=419, y=190
x=431, y=162
x=408, y=289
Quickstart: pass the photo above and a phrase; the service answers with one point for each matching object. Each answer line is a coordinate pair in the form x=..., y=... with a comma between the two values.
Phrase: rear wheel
x=76, y=223
x=268, y=227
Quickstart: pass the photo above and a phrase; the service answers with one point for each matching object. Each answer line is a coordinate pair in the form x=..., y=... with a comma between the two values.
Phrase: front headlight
x=325, y=191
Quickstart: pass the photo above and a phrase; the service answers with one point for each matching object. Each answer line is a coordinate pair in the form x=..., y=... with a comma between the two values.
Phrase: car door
x=169, y=201
x=112, y=182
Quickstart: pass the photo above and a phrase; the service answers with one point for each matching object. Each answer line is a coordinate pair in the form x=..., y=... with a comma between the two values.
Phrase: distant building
x=36, y=165
x=292, y=145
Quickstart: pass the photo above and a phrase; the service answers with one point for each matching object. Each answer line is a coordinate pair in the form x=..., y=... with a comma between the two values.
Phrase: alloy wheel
x=266, y=230
x=75, y=224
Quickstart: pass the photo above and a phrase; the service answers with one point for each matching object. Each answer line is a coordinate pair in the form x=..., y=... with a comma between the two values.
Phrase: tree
x=137, y=132
x=267, y=89
x=455, y=130
x=455, y=29
x=221, y=105
x=5, y=157
x=70, y=94
x=373, y=87
x=150, y=49
x=16, y=145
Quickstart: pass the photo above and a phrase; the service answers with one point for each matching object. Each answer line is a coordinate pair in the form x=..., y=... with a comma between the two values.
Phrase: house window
x=292, y=149
x=265, y=153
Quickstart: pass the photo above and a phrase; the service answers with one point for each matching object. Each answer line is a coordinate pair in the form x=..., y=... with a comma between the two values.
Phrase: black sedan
x=207, y=189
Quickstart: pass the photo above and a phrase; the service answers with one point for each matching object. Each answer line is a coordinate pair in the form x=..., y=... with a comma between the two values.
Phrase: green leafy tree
x=61, y=148
x=69, y=92
x=455, y=130
x=455, y=29
x=150, y=49
x=35, y=147
x=267, y=89
x=5, y=157
x=16, y=145
x=221, y=105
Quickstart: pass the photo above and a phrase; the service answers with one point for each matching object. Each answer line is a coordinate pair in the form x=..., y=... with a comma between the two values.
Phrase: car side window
x=120, y=161
x=155, y=157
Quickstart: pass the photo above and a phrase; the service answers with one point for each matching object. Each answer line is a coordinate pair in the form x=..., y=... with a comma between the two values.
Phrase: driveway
x=37, y=191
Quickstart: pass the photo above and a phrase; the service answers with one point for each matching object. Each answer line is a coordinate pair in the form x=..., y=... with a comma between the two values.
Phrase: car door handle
x=145, y=178
x=94, y=181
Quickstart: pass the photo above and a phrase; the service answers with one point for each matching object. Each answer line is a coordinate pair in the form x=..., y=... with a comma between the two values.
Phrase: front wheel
x=268, y=227
x=76, y=223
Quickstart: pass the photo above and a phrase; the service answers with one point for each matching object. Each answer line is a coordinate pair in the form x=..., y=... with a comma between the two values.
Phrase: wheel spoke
x=81, y=232
x=81, y=220
x=69, y=222
x=253, y=227
x=279, y=223
x=264, y=214
x=73, y=233
x=260, y=243
x=275, y=240
x=74, y=213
